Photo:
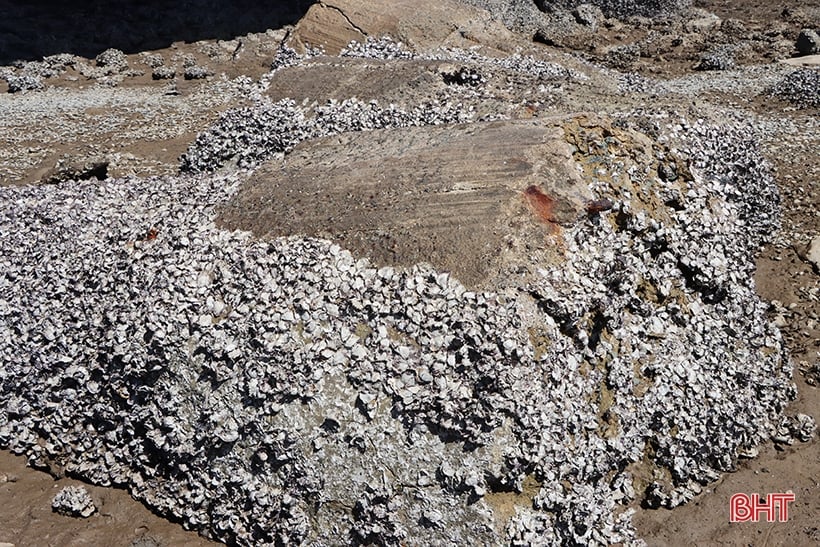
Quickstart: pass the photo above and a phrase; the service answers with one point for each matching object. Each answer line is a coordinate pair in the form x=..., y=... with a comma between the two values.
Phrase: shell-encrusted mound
x=285, y=390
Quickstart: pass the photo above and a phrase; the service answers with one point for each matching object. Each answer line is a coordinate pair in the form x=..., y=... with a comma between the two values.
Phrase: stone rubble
x=813, y=253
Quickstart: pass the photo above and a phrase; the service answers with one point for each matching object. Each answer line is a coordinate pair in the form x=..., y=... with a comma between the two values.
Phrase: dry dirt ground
x=783, y=278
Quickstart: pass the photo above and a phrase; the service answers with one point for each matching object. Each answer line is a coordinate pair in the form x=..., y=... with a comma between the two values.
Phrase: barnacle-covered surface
x=332, y=400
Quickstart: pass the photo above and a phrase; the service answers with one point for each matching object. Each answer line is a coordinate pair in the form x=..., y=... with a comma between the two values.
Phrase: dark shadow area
x=32, y=30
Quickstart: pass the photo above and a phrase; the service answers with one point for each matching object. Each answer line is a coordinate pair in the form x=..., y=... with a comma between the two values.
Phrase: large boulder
x=419, y=24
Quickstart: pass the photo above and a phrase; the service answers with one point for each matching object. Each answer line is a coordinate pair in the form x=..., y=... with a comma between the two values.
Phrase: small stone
x=73, y=501
x=432, y=517
x=203, y=279
x=748, y=453
x=813, y=254
x=804, y=427
x=164, y=73
x=667, y=172
x=197, y=72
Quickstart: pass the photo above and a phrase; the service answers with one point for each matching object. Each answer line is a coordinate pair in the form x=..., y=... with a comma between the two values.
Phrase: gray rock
x=112, y=59
x=719, y=58
x=164, y=72
x=146, y=541
x=196, y=72
x=804, y=427
x=813, y=254
x=24, y=82
x=614, y=8
x=270, y=445
x=153, y=60
x=588, y=15
x=800, y=87
x=701, y=21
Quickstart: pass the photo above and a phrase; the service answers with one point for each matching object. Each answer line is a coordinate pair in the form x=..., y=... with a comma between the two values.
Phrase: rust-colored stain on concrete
x=543, y=205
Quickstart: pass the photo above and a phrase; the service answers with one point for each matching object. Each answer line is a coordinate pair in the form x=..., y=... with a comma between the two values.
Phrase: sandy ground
x=26, y=518
x=783, y=277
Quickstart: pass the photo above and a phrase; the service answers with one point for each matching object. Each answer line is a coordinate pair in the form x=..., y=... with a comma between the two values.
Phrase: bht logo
x=745, y=508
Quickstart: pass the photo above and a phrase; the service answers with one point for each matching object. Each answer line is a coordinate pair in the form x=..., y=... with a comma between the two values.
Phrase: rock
x=623, y=57
x=719, y=58
x=799, y=87
x=153, y=60
x=734, y=28
x=73, y=501
x=321, y=81
x=196, y=72
x=813, y=254
x=112, y=59
x=68, y=168
x=420, y=25
x=806, y=60
x=534, y=376
x=24, y=82
x=808, y=42
x=702, y=22
x=804, y=427
x=588, y=15
x=164, y=72
x=437, y=193
x=146, y=541
x=612, y=8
